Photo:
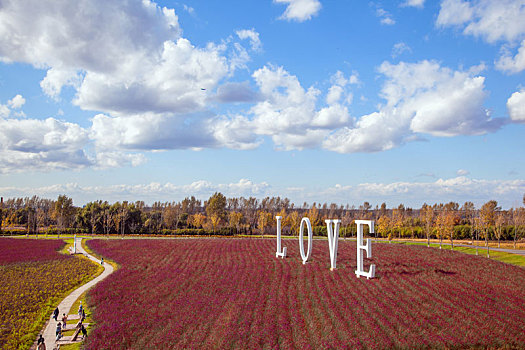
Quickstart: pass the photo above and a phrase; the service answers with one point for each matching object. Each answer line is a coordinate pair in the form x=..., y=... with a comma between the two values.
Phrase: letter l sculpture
x=279, y=253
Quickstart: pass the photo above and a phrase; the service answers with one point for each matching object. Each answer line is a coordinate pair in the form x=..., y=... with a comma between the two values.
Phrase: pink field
x=22, y=250
x=234, y=293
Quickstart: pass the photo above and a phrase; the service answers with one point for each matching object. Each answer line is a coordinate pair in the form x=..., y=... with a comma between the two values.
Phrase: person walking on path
x=83, y=330
x=58, y=331
x=80, y=310
x=41, y=344
x=55, y=314
x=64, y=321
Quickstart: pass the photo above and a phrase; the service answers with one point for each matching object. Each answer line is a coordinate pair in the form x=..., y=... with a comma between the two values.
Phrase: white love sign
x=310, y=239
x=332, y=229
x=364, y=247
x=279, y=252
x=333, y=238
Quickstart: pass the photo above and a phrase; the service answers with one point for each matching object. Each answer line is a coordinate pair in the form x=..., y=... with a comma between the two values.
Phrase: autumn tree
x=451, y=219
x=427, y=216
x=398, y=218
x=518, y=219
x=501, y=220
x=234, y=220
x=264, y=221
x=294, y=221
x=313, y=215
x=488, y=217
x=63, y=212
x=197, y=220
x=384, y=225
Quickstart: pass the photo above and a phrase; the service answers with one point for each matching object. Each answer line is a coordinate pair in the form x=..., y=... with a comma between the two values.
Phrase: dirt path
x=65, y=305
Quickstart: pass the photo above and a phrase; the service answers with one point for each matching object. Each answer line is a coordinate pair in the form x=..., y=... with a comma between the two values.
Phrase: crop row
x=234, y=293
x=34, y=277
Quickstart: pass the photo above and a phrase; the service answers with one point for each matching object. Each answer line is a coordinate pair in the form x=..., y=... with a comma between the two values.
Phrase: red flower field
x=234, y=293
x=34, y=277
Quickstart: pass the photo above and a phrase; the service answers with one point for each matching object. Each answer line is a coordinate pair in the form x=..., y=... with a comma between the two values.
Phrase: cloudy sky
x=407, y=101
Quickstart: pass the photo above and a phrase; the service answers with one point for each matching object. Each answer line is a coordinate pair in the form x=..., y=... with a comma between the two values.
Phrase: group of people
x=62, y=325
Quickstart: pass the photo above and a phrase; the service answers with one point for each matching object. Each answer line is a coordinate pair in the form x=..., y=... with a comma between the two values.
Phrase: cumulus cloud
x=300, y=10
x=16, y=102
x=516, y=106
x=48, y=144
x=149, y=131
x=171, y=83
x=492, y=21
x=56, y=78
x=253, y=36
x=510, y=64
x=421, y=98
x=94, y=39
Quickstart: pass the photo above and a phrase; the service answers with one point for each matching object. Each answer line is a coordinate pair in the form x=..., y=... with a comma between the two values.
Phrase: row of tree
x=221, y=215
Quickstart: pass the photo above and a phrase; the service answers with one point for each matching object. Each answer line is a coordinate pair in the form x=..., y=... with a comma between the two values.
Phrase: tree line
x=229, y=216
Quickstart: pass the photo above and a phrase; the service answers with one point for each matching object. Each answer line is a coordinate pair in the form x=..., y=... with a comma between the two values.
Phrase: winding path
x=65, y=305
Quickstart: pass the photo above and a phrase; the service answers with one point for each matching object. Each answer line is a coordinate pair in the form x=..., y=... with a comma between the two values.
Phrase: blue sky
x=320, y=101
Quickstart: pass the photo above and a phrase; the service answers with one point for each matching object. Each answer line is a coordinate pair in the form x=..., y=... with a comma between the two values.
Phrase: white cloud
x=57, y=78
x=99, y=38
x=42, y=145
x=399, y=49
x=385, y=17
x=462, y=172
x=412, y=194
x=414, y=3
x=145, y=132
x=516, y=106
x=171, y=82
x=454, y=13
x=16, y=102
x=253, y=36
x=121, y=58
x=236, y=133
x=300, y=10
x=510, y=64
x=459, y=189
x=115, y=159
x=421, y=98
x=150, y=192
x=236, y=92
x=493, y=21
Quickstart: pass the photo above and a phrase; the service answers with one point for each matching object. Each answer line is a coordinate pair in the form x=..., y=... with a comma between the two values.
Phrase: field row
x=234, y=293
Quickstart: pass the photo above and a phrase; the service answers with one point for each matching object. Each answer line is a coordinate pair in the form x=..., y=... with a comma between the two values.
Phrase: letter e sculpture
x=366, y=247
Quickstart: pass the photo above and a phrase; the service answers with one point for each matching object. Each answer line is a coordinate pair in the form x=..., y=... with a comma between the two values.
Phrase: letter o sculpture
x=310, y=237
